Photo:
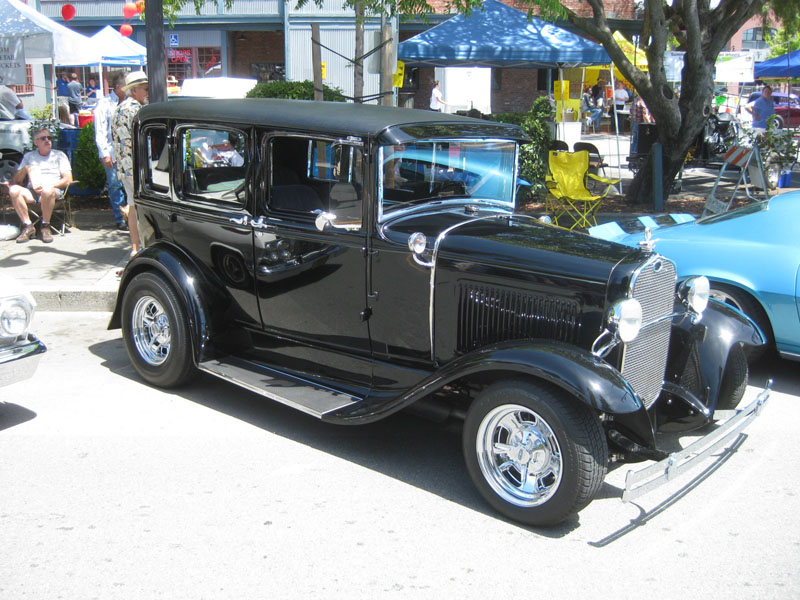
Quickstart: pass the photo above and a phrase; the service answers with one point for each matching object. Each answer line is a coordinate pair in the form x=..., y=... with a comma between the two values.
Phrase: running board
x=293, y=391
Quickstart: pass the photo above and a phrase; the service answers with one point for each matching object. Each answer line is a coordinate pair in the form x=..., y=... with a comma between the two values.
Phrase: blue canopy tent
x=499, y=36
x=786, y=65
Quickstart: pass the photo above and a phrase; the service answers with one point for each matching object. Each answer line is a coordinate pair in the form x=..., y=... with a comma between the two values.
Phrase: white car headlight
x=695, y=292
x=626, y=318
x=15, y=317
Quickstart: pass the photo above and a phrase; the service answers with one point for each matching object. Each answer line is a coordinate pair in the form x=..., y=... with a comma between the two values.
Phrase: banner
x=12, y=61
x=734, y=67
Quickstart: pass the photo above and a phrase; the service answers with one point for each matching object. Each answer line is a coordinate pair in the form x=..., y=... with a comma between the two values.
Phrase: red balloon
x=126, y=30
x=129, y=9
x=68, y=12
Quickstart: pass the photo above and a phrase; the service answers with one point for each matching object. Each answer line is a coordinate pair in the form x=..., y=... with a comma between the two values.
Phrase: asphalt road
x=111, y=489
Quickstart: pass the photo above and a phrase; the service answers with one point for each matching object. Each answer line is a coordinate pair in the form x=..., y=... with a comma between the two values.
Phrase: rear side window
x=156, y=177
x=215, y=164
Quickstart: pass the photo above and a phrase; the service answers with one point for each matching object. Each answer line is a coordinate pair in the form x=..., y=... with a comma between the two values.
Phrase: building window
x=208, y=62
x=411, y=78
x=28, y=87
x=180, y=63
x=266, y=71
x=497, y=79
x=753, y=39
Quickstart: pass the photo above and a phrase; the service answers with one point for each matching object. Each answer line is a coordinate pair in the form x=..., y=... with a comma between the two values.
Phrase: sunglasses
x=45, y=138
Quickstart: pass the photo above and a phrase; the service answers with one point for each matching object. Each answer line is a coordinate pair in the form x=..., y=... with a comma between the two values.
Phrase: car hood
x=514, y=241
x=744, y=226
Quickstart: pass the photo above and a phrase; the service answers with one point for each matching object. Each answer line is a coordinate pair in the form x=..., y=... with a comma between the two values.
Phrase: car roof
x=389, y=125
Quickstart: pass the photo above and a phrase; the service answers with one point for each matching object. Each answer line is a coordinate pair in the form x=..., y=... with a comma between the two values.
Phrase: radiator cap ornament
x=648, y=245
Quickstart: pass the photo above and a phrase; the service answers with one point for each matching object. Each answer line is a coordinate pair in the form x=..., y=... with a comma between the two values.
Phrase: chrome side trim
x=638, y=483
x=789, y=355
x=434, y=260
x=305, y=396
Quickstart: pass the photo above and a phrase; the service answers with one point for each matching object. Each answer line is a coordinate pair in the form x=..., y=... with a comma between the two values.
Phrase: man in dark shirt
x=75, y=88
x=597, y=92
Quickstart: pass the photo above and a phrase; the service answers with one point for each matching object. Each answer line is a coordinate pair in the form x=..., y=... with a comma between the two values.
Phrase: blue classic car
x=751, y=256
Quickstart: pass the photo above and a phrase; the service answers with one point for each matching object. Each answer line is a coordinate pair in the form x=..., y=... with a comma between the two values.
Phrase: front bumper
x=638, y=483
x=19, y=362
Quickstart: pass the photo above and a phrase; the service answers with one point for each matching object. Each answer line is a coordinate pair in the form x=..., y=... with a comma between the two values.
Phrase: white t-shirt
x=621, y=96
x=47, y=170
x=8, y=98
x=436, y=99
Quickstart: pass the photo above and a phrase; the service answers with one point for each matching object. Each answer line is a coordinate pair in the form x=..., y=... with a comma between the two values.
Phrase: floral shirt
x=122, y=135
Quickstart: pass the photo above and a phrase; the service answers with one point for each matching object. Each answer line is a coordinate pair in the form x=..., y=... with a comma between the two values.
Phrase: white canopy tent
x=45, y=41
x=116, y=49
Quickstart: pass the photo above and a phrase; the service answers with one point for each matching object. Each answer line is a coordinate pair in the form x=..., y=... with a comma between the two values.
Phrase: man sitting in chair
x=49, y=174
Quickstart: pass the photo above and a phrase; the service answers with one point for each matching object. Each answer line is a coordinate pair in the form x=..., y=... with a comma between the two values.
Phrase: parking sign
x=173, y=40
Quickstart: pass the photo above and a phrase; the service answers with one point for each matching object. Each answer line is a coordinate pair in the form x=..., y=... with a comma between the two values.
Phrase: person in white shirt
x=48, y=173
x=437, y=101
x=12, y=102
x=102, y=136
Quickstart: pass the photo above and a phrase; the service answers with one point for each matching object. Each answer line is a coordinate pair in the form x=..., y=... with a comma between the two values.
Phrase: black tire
x=155, y=330
x=734, y=379
x=544, y=429
x=778, y=123
x=744, y=302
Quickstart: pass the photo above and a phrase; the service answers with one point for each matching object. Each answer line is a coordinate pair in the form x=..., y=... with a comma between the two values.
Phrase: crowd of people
x=45, y=173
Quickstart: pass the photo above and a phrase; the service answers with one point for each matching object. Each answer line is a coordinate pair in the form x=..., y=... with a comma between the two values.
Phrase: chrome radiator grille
x=645, y=359
x=488, y=315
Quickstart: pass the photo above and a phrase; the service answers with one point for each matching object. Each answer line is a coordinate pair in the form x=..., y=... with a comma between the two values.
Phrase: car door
x=310, y=263
x=213, y=209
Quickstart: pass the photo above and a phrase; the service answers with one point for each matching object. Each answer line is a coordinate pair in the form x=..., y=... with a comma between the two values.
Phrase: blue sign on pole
x=173, y=40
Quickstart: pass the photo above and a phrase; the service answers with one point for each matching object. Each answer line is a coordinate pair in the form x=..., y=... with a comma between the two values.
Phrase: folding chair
x=62, y=213
x=559, y=145
x=568, y=193
x=596, y=161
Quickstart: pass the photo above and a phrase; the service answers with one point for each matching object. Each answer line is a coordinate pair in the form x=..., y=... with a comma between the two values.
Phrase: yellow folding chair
x=569, y=196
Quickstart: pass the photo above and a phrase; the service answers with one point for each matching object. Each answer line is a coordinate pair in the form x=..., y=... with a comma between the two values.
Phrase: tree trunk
x=156, y=61
x=358, y=67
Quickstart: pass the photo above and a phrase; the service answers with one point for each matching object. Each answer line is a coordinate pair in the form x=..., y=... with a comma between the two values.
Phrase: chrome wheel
x=519, y=455
x=151, y=330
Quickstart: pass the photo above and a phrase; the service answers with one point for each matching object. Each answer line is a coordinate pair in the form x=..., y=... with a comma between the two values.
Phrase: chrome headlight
x=694, y=293
x=626, y=319
x=15, y=316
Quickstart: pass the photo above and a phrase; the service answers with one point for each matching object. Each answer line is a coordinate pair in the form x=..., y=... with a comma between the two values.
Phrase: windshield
x=443, y=170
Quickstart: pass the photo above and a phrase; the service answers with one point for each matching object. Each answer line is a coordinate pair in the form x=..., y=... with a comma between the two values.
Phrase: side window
x=309, y=176
x=215, y=163
x=156, y=177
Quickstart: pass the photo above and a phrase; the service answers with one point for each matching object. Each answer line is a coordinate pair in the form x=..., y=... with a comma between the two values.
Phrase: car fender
x=730, y=327
x=590, y=380
x=201, y=296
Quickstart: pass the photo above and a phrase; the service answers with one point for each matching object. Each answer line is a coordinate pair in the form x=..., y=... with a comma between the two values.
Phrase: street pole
x=316, y=62
x=156, y=59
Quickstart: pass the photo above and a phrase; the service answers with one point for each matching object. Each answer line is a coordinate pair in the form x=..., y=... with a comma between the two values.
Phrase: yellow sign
x=399, y=75
x=324, y=69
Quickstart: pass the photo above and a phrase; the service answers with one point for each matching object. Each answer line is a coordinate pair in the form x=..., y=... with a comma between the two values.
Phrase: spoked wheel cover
x=150, y=328
x=519, y=455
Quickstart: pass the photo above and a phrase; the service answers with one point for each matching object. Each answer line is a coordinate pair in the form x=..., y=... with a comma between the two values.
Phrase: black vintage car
x=352, y=261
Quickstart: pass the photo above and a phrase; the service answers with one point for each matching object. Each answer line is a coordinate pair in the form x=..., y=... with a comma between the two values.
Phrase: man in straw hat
x=136, y=90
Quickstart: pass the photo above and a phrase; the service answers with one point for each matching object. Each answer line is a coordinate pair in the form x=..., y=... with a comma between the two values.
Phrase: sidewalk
x=77, y=272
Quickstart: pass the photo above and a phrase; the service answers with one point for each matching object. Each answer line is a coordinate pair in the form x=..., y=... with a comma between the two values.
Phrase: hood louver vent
x=487, y=315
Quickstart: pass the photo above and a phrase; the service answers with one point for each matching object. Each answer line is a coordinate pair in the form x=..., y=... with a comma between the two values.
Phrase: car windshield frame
x=508, y=202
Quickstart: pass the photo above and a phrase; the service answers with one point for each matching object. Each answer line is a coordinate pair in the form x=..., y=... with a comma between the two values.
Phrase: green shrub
x=42, y=114
x=294, y=90
x=533, y=156
x=86, y=165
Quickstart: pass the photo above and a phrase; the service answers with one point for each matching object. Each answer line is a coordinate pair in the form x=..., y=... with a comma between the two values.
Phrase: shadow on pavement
x=404, y=447
x=13, y=414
